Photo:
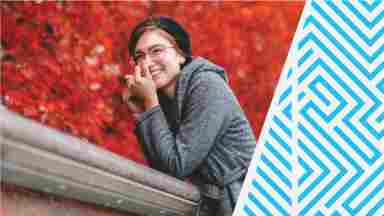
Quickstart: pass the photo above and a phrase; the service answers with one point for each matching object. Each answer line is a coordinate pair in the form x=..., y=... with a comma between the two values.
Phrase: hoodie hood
x=199, y=64
x=196, y=66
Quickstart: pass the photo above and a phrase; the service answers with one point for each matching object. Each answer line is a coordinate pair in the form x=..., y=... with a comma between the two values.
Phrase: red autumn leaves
x=63, y=62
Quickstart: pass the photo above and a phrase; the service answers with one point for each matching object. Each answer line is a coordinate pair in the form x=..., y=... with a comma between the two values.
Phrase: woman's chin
x=159, y=84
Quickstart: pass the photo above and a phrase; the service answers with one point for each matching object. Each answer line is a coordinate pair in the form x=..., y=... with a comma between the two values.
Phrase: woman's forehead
x=154, y=37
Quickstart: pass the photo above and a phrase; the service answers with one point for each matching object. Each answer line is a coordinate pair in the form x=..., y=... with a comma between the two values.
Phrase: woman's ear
x=182, y=59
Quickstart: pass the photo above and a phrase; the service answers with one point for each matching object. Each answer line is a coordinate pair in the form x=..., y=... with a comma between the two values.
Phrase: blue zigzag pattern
x=370, y=6
x=321, y=153
x=321, y=127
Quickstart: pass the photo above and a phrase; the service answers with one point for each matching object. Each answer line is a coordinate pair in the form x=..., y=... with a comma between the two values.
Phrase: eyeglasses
x=155, y=52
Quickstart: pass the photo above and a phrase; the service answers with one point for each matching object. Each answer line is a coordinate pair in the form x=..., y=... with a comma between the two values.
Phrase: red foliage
x=63, y=61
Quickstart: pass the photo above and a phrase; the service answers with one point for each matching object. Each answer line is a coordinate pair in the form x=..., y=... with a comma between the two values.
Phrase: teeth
x=155, y=73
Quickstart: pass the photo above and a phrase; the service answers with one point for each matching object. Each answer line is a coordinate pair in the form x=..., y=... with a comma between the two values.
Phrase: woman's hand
x=135, y=104
x=141, y=93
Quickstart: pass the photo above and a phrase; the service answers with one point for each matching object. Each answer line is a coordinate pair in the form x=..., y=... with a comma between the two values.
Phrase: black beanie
x=167, y=24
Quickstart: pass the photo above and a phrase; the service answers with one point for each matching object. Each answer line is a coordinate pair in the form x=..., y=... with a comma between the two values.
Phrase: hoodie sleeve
x=206, y=108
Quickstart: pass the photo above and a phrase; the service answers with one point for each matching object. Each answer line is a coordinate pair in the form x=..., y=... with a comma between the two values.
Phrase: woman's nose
x=146, y=62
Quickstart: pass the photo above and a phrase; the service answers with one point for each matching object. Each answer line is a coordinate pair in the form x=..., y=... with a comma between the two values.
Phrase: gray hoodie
x=202, y=133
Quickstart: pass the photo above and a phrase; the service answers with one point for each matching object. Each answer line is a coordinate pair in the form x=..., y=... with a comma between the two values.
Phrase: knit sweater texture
x=202, y=133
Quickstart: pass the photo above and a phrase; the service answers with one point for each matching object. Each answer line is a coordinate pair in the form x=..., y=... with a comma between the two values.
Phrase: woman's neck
x=170, y=89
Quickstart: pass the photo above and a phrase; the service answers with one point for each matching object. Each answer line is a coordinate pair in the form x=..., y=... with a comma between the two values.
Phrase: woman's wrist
x=136, y=116
x=151, y=103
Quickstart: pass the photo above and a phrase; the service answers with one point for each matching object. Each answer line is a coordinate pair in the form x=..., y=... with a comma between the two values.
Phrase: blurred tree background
x=63, y=62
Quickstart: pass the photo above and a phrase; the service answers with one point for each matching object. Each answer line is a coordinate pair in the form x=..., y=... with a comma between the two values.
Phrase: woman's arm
x=207, y=107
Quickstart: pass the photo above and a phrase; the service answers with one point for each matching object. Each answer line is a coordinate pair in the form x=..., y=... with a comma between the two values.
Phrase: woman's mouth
x=155, y=72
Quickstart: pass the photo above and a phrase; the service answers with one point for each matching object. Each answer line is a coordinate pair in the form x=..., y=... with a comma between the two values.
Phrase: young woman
x=187, y=118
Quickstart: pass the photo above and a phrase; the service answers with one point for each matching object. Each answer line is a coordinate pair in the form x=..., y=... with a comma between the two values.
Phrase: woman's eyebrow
x=149, y=48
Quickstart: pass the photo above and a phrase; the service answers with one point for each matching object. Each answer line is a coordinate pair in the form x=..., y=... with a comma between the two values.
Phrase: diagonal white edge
x=282, y=83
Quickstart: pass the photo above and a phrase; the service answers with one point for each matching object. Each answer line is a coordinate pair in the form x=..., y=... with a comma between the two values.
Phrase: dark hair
x=168, y=25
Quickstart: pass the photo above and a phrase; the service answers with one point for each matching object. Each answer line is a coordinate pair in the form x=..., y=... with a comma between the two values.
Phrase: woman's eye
x=157, y=51
x=138, y=57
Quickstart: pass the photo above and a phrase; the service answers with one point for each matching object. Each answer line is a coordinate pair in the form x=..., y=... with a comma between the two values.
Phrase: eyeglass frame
x=151, y=53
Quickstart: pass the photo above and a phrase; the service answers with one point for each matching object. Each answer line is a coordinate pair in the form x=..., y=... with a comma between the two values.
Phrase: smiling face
x=156, y=51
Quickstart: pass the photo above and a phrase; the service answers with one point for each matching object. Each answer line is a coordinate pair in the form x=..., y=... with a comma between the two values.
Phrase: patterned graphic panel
x=274, y=170
x=321, y=148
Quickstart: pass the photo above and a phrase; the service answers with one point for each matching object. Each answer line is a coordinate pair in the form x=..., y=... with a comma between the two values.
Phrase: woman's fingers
x=147, y=74
x=134, y=104
x=129, y=79
x=126, y=94
x=142, y=87
x=137, y=75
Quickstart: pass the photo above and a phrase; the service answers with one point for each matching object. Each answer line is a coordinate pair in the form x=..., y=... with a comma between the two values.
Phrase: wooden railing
x=44, y=159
